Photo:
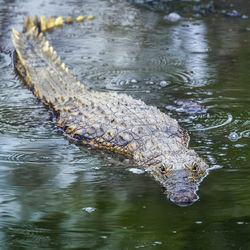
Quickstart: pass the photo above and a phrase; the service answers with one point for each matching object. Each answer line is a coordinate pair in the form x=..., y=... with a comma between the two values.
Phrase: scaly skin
x=110, y=121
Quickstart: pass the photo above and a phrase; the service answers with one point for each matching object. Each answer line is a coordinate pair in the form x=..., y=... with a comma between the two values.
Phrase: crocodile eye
x=162, y=168
x=195, y=167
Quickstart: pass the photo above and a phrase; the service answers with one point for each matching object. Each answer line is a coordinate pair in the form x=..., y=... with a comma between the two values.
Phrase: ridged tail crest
x=39, y=66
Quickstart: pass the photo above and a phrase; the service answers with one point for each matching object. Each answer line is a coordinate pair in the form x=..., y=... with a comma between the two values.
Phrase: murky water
x=54, y=195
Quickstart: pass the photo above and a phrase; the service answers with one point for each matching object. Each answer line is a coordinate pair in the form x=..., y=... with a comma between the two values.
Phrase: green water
x=54, y=195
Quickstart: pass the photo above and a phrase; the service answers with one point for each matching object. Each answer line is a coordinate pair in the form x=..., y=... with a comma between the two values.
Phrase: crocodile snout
x=184, y=197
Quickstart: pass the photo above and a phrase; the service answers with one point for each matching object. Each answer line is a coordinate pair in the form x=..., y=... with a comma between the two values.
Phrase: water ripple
x=5, y=60
x=234, y=136
x=25, y=157
x=218, y=122
x=37, y=156
x=245, y=134
x=137, y=80
x=187, y=106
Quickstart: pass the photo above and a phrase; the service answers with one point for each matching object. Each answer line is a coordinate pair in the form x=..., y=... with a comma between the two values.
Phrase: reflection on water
x=54, y=195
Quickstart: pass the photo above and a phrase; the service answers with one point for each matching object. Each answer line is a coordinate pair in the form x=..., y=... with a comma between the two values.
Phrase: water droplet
x=136, y=170
x=150, y=82
x=157, y=243
x=163, y=84
x=240, y=222
x=133, y=81
x=140, y=246
x=198, y=126
x=170, y=107
x=233, y=136
x=215, y=167
x=103, y=237
x=172, y=17
x=88, y=209
x=245, y=134
x=198, y=222
x=122, y=82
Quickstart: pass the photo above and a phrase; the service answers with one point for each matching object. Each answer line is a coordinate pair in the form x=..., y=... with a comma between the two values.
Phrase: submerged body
x=110, y=121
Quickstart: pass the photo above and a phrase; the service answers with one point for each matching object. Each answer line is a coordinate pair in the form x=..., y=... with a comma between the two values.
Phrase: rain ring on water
x=229, y=119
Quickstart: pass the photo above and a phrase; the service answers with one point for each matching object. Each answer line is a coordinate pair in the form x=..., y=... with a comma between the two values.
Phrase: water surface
x=55, y=195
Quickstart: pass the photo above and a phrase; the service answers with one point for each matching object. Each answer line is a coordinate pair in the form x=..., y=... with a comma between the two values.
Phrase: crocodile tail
x=43, y=25
x=39, y=67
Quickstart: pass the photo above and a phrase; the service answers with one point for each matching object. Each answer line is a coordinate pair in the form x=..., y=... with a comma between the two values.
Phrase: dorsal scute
x=44, y=25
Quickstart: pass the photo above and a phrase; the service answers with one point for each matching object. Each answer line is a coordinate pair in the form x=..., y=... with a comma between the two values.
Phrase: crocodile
x=109, y=121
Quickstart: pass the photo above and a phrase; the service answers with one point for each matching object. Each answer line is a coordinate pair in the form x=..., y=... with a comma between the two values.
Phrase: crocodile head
x=181, y=184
